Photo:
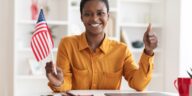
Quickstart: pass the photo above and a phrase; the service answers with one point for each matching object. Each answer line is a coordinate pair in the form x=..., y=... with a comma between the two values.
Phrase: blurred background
x=171, y=20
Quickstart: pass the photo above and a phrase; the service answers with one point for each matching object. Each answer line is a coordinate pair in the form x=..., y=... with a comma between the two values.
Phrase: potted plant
x=190, y=86
x=190, y=73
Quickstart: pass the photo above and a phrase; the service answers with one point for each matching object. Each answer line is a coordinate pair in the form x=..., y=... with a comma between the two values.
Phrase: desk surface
x=109, y=93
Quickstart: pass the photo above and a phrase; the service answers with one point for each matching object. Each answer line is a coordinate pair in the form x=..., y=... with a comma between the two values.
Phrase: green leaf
x=189, y=74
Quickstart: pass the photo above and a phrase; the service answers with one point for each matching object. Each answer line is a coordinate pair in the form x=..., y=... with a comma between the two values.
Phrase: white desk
x=103, y=92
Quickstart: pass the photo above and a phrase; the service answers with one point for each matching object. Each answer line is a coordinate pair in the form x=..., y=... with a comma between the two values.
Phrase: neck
x=95, y=41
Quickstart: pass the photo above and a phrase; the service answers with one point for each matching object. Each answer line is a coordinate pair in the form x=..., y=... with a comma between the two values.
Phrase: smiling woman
x=94, y=16
x=93, y=61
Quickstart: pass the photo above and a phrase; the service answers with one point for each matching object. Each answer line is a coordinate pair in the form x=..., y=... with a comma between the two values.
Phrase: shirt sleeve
x=64, y=64
x=138, y=76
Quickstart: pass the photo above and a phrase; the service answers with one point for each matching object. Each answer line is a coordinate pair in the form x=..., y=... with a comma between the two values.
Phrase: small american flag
x=42, y=42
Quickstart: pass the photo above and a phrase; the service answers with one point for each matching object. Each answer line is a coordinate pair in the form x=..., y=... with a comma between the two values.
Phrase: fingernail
x=150, y=34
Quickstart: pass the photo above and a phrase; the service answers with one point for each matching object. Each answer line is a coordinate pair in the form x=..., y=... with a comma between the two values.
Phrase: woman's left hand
x=150, y=41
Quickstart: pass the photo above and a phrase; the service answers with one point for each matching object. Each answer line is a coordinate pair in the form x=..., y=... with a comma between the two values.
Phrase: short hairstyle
x=83, y=2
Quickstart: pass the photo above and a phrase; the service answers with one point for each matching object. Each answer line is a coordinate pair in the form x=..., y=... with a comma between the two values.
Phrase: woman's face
x=94, y=16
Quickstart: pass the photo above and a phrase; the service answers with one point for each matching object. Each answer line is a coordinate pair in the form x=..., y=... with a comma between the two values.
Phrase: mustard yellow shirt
x=103, y=69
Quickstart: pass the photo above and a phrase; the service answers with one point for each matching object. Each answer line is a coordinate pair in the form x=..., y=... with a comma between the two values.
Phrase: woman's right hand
x=55, y=79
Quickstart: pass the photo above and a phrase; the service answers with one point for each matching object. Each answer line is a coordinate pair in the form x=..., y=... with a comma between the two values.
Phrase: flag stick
x=54, y=65
x=55, y=70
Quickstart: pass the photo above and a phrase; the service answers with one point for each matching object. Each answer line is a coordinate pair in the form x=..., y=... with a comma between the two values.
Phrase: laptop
x=138, y=94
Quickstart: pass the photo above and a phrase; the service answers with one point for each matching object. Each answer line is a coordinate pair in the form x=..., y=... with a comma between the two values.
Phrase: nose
x=94, y=17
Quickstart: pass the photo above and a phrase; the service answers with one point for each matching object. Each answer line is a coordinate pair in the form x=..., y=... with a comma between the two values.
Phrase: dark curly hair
x=82, y=3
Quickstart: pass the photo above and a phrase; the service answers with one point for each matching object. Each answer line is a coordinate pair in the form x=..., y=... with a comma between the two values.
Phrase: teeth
x=94, y=25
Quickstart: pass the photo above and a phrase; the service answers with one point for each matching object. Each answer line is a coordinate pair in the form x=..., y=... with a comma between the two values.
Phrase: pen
x=86, y=95
x=71, y=94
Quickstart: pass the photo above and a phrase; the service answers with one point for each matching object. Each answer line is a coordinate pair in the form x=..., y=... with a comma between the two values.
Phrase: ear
x=108, y=15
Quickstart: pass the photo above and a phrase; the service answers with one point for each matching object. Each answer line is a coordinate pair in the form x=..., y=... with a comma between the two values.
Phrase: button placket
x=94, y=73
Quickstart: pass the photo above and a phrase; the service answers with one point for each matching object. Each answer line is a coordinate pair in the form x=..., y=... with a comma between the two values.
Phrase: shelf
x=141, y=25
x=48, y=22
x=139, y=50
x=75, y=8
x=31, y=77
x=142, y=1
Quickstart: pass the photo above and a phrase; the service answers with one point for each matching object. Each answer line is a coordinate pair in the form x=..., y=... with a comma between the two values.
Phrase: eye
x=87, y=14
x=101, y=13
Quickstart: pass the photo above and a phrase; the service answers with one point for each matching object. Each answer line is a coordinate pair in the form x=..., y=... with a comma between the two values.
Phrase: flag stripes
x=41, y=42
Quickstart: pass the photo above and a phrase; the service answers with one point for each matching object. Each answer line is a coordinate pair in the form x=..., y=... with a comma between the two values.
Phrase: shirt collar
x=84, y=44
x=105, y=45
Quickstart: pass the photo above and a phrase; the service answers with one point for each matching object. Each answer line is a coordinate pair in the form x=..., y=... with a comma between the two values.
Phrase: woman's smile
x=95, y=25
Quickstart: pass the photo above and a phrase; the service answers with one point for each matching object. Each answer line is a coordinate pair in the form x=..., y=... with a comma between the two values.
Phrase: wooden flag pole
x=54, y=65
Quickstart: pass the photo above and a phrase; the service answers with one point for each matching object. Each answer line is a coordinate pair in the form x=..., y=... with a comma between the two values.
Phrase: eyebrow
x=97, y=10
x=101, y=10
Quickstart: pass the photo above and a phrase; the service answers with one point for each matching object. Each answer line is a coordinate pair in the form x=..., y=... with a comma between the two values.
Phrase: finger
x=52, y=78
x=150, y=34
x=49, y=63
x=59, y=70
x=152, y=39
x=60, y=74
x=149, y=28
x=153, y=42
x=49, y=67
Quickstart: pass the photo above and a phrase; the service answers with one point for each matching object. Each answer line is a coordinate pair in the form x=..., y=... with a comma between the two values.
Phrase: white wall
x=178, y=51
x=6, y=48
x=186, y=37
x=172, y=38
